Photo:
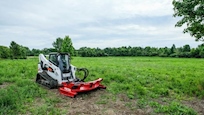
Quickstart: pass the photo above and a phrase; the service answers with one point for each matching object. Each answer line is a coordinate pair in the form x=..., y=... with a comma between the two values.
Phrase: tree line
x=16, y=51
x=181, y=52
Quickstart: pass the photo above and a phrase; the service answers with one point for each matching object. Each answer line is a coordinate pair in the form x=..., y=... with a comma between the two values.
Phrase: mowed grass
x=159, y=83
x=19, y=94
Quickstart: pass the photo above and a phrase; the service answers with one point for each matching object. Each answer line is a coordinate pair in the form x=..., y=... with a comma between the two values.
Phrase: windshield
x=64, y=63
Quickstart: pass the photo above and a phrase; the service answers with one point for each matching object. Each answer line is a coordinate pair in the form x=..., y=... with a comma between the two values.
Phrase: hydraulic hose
x=86, y=73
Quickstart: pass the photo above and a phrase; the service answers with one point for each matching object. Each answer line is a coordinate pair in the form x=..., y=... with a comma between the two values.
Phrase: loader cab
x=61, y=60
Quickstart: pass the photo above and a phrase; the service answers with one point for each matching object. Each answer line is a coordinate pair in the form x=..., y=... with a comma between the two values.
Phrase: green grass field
x=162, y=84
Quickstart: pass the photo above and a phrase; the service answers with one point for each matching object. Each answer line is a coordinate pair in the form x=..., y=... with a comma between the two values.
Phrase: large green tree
x=67, y=45
x=192, y=14
x=18, y=51
x=15, y=50
x=58, y=44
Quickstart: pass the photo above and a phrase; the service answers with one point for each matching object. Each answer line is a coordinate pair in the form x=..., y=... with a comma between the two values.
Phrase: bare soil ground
x=4, y=85
x=92, y=103
x=196, y=104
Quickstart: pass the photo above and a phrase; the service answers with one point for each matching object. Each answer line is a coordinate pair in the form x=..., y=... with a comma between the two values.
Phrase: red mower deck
x=72, y=88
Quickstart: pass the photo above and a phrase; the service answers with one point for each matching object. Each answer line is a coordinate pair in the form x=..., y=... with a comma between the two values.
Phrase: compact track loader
x=57, y=72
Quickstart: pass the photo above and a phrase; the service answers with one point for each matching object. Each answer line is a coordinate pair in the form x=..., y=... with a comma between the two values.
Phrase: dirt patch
x=4, y=85
x=101, y=102
x=196, y=104
x=97, y=102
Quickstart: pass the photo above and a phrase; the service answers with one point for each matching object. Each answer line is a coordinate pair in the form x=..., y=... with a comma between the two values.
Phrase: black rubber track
x=48, y=81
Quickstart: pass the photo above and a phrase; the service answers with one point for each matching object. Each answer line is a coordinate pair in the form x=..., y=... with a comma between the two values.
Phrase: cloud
x=93, y=23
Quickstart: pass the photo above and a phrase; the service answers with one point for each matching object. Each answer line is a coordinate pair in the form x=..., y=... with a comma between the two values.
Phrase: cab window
x=53, y=59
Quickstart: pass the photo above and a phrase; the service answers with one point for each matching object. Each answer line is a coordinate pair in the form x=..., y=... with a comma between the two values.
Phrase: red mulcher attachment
x=72, y=88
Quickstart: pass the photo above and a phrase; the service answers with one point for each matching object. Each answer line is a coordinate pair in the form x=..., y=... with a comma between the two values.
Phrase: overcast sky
x=91, y=23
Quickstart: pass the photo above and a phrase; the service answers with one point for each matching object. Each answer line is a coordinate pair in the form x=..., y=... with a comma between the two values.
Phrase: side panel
x=55, y=74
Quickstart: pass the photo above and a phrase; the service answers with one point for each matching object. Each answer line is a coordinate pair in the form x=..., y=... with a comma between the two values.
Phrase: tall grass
x=141, y=76
x=146, y=79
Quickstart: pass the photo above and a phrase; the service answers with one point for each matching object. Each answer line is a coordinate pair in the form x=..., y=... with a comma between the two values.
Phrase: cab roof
x=59, y=53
